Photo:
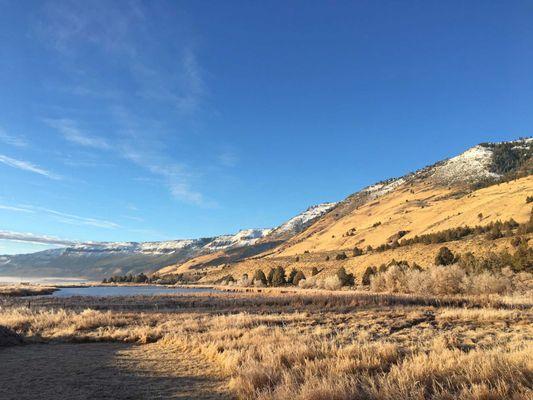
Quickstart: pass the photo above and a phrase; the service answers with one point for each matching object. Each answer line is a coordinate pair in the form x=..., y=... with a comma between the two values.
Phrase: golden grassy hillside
x=419, y=209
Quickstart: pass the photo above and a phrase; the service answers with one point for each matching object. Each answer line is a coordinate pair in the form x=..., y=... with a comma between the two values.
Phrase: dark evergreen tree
x=259, y=276
x=345, y=278
x=278, y=277
x=341, y=256
x=444, y=256
x=369, y=272
x=270, y=276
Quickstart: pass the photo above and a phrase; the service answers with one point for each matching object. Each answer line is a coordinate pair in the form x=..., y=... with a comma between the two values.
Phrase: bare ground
x=105, y=371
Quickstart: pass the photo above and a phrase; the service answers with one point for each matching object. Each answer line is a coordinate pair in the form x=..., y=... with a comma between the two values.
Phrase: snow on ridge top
x=471, y=165
x=134, y=247
x=311, y=213
x=382, y=188
x=245, y=237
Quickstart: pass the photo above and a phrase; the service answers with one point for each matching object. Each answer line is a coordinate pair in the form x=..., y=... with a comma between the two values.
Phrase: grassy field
x=280, y=344
x=25, y=290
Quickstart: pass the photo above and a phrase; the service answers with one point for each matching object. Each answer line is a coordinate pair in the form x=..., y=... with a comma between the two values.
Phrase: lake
x=149, y=290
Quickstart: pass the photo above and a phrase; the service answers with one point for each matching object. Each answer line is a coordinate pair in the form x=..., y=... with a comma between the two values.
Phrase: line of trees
x=278, y=277
x=492, y=231
x=143, y=278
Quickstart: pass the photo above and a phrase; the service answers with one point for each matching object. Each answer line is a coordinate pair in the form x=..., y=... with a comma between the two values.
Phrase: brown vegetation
x=313, y=345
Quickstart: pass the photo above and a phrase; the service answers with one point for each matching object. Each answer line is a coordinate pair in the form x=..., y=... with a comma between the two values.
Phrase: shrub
x=357, y=252
x=367, y=275
x=278, y=278
x=244, y=281
x=226, y=280
x=392, y=280
x=270, y=276
x=521, y=260
x=444, y=256
x=298, y=277
x=345, y=278
x=292, y=274
x=341, y=256
x=494, y=233
x=529, y=199
x=439, y=280
x=487, y=283
x=332, y=283
x=259, y=276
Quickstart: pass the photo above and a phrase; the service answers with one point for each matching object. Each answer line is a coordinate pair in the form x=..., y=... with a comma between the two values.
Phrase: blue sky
x=131, y=120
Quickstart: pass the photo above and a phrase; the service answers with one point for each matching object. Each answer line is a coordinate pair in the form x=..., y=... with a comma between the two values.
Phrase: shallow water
x=99, y=291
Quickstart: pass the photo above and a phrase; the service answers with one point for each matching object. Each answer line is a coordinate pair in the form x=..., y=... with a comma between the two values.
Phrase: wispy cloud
x=17, y=141
x=77, y=220
x=73, y=134
x=27, y=166
x=228, y=158
x=174, y=84
x=193, y=83
x=98, y=23
x=33, y=238
x=62, y=216
x=16, y=209
x=175, y=176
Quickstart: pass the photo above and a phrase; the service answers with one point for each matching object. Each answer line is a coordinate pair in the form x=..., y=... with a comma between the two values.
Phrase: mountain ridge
x=483, y=164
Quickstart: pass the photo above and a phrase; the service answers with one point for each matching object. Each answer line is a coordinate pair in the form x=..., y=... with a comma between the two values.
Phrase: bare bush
x=440, y=280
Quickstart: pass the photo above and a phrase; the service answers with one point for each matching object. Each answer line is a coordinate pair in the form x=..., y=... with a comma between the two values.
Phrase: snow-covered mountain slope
x=301, y=221
x=472, y=165
x=101, y=259
x=242, y=238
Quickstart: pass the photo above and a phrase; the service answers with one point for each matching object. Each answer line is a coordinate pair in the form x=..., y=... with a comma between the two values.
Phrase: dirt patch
x=105, y=371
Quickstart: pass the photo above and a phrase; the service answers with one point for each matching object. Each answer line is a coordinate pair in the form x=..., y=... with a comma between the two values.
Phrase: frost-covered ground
x=474, y=164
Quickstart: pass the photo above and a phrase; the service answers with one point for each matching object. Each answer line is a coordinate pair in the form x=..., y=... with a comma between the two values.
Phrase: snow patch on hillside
x=296, y=224
x=246, y=237
x=166, y=247
x=472, y=165
x=382, y=188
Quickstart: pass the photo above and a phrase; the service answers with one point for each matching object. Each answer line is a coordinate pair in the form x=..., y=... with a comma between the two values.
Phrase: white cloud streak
x=63, y=217
x=27, y=166
x=73, y=134
x=16, y=209
x=175, y=176
x=11, y=140
x=32, y=238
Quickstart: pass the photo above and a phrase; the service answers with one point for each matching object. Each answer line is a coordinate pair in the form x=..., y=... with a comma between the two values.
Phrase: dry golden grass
x=312, y=345
x=25, y=290
x=426, y=210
